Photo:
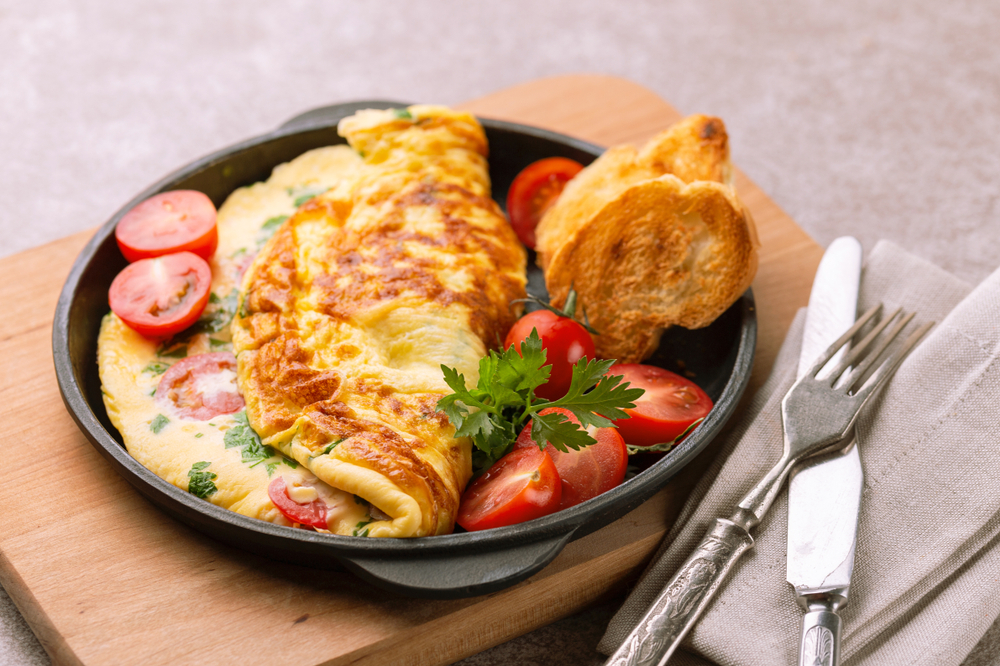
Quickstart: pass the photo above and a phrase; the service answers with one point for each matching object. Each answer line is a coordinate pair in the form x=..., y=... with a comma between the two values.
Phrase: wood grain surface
x=103, y=577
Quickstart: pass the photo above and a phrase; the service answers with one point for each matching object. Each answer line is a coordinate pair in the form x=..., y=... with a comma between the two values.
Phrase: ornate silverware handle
x=685, y=597
x=820, y=644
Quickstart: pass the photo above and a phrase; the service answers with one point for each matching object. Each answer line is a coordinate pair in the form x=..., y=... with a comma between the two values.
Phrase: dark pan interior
x=718, y=358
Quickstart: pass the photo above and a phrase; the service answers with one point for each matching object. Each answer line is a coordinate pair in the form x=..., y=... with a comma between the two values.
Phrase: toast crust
x=651, y=239
x=696, y=148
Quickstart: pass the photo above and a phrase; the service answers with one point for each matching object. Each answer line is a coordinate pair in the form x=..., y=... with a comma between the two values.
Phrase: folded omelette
x=351, y=275
x=350, y=310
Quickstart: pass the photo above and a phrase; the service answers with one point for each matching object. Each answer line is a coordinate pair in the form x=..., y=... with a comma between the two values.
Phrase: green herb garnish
x=158, y=423
x=200, y=482
x=270, y=226
x=331, y=447
x=363, y=524
x=243, y=436
x=156, y=368
x=252, y=451
x=198, y=435
x=402, y=114
x=303, y=195
x=172, y=349
x=493, y=413
x=219, y=316
x=243, y=312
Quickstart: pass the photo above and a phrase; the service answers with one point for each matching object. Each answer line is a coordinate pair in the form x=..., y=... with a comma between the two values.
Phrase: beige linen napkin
x=926, y=583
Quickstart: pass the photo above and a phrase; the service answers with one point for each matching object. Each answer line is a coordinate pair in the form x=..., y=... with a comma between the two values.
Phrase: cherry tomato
x=565, y=342
x=177, y=221
x=588, y=472
x=162, y=296
x=311, y=513
x=201, y=387
x=669, y=405
x=523, y=485
x=534, y=190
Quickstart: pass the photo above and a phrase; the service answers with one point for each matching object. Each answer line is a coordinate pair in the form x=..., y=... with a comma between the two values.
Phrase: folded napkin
x=926, y=583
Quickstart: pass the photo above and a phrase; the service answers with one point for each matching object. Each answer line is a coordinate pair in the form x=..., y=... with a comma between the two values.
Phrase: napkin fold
x=926, y=582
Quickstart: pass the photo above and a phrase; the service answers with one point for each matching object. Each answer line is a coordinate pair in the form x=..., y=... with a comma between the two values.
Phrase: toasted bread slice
x=696, y=148
x=661, y=253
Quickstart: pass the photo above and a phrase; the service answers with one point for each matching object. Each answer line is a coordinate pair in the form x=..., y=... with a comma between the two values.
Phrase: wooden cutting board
x=103, y=577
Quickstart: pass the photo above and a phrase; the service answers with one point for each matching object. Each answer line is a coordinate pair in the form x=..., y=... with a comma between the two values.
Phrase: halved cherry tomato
x=565, y=342
x=162, y=296
x=534, y=190
x=523, y=485
x=670, y=404
x=201, y=387
x=177, y=221
x=588, y=472
x=311, y=513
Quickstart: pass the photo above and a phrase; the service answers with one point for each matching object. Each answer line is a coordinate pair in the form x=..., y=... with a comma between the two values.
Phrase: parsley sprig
x=493, y=413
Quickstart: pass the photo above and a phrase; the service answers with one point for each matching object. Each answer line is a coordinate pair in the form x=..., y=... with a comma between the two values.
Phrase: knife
x=824, y=493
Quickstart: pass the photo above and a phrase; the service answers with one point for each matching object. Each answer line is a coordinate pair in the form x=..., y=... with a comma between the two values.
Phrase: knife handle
x=820, y=644
x=685, y=597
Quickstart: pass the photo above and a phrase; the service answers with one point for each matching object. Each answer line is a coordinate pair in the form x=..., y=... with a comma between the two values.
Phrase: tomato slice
x=521, y=486
x=177, y=221
x=565, y=342
x=588, y=472
x=201, y=387
x=311, y=513
x=669, y=406
x=534, y=190
x=162, y=296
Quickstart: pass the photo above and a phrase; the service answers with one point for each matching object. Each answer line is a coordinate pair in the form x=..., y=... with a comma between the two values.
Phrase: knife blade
x=824, y=493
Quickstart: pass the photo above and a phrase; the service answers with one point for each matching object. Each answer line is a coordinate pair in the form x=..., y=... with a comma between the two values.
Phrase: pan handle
x=448, y=576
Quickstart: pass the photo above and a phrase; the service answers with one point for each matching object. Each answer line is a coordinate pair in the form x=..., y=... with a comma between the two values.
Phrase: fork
x=816, y=414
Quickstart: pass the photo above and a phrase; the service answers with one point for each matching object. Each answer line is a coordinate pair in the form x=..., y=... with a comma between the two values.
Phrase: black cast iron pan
x=444, y=567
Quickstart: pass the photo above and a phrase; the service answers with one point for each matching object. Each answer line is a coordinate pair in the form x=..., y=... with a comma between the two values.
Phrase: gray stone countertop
x=879, y=120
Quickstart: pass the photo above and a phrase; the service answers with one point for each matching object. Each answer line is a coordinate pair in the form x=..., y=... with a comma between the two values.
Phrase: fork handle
x=685, y=597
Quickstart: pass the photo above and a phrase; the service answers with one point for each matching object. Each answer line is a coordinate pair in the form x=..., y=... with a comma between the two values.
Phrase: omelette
x=220, y=458
x=349, y=312
x=350, y=277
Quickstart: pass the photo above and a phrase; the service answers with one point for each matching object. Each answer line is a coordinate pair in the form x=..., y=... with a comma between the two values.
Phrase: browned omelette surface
x=350, y=310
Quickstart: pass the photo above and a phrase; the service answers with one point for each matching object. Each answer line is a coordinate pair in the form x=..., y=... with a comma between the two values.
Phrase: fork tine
x=842, y=340
x=869, y=359
x=889, y=367
x=859, y=350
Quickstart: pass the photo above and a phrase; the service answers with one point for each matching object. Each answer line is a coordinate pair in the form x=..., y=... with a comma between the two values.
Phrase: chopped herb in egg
x=241, y=435
x=269, y=227
x=216, y=345
x=219, y=313
x=201, y=483
x=243, y=307
x=303, y=195
x=156, y=368
x=402, y=114
x=171, y=349
x=363, y=524
x=158, y=423
x=331, y=447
